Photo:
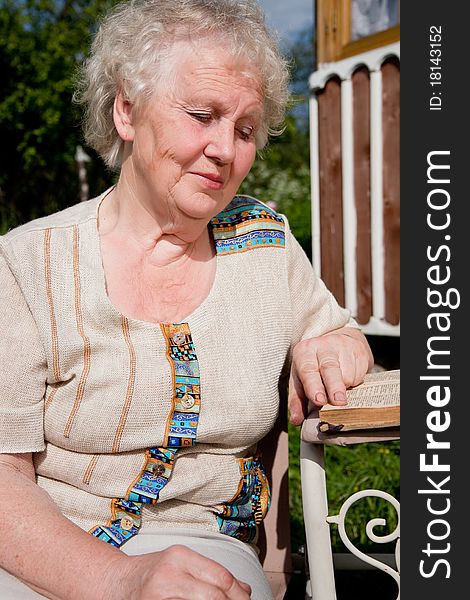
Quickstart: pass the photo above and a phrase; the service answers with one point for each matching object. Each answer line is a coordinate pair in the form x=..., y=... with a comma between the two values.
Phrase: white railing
x=344, y=69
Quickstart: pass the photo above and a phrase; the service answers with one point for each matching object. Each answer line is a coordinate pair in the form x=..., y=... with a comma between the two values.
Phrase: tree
x=41, y=42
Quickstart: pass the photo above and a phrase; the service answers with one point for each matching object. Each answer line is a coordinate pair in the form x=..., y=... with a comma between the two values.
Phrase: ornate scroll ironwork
x=394, y=535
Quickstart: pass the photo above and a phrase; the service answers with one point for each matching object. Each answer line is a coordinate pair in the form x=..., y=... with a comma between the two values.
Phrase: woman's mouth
x=210, y=180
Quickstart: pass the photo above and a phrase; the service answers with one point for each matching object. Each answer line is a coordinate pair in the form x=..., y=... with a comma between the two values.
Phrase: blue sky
x=288, y=16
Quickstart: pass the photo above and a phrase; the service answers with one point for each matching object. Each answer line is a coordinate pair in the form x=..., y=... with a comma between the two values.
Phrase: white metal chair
x=321, y=575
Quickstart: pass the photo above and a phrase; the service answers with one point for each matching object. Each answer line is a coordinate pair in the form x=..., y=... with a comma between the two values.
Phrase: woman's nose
x=221, y=143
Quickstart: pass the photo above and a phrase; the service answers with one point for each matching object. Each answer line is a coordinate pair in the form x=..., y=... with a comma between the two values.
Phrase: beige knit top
x=92, y=392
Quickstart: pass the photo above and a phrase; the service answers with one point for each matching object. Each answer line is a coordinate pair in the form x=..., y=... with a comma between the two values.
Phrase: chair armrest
x=310, y=433
x=321, y=584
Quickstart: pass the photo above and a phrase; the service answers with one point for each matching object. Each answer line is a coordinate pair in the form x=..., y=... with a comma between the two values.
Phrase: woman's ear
x=122, y=116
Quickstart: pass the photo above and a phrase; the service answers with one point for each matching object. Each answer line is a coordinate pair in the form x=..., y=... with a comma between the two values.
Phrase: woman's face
x=194, y=142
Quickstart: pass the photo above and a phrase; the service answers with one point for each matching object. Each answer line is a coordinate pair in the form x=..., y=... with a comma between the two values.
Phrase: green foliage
x=350, y=469
x=41, y=42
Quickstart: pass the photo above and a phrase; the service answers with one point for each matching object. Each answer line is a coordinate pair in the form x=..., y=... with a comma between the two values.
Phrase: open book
x=373, y=404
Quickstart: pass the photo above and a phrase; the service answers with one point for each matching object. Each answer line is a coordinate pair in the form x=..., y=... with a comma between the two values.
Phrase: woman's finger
x=297, y=400
x=331, y=374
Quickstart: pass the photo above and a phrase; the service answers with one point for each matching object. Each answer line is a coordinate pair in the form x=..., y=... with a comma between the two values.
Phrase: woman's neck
x=149, y=228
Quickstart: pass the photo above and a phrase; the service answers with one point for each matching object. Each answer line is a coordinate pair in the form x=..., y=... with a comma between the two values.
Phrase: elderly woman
x=145, y=332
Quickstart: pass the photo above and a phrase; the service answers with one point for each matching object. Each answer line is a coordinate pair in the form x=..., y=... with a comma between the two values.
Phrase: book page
x=379, y=390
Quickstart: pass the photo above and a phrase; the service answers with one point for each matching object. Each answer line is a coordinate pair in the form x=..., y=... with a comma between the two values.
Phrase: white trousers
x=239, y=558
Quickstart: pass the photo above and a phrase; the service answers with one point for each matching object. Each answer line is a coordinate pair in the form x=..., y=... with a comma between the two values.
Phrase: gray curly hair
x=136, y=37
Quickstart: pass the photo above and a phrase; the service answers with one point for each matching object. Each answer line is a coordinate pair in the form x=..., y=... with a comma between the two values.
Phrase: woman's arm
x=43, y=548
x=56, y=558
x=324, y=366
x=329, y=352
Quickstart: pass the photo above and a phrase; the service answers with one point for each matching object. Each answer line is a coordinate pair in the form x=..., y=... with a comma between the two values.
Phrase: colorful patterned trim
x=182, y=426
x=247, y=224
x=181, y=431
x=241, y=516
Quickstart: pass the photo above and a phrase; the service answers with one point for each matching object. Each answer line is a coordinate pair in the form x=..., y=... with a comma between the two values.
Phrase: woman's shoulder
x=246, y=207
x=247, y=223
x=24, y=247
x=65, y=218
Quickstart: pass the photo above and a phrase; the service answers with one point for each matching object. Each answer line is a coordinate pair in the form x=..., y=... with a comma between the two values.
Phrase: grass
x=350, y=469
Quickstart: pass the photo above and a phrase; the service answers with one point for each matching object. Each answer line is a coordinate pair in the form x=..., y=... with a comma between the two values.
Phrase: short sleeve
x=22, y=370
x=315, y=310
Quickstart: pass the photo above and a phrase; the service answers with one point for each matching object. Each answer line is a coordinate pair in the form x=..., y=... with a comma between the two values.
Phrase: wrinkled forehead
x=210, y=61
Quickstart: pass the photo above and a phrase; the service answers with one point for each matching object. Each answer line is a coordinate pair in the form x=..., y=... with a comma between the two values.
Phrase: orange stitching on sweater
x=130, y=384
x=166, y=334
x=50, y=301
x=90, y=469
x=49, y=399
x=86, y=341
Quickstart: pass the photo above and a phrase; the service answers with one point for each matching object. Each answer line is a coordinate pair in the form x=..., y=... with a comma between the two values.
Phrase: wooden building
x=355, y=159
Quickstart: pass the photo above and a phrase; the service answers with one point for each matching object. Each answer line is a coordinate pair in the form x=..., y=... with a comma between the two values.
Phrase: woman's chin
x=203, y=206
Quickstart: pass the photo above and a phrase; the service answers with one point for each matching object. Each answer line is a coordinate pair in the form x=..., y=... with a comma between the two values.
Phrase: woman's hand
x=89, y=568
x=323, y=367
x=176, y=572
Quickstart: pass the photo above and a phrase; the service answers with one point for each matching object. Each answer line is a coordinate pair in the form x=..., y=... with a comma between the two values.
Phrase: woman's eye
x=201, y=117
x=245, y=132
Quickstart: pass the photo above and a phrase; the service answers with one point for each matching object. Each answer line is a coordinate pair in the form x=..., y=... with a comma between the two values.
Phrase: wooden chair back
x=274, y=539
